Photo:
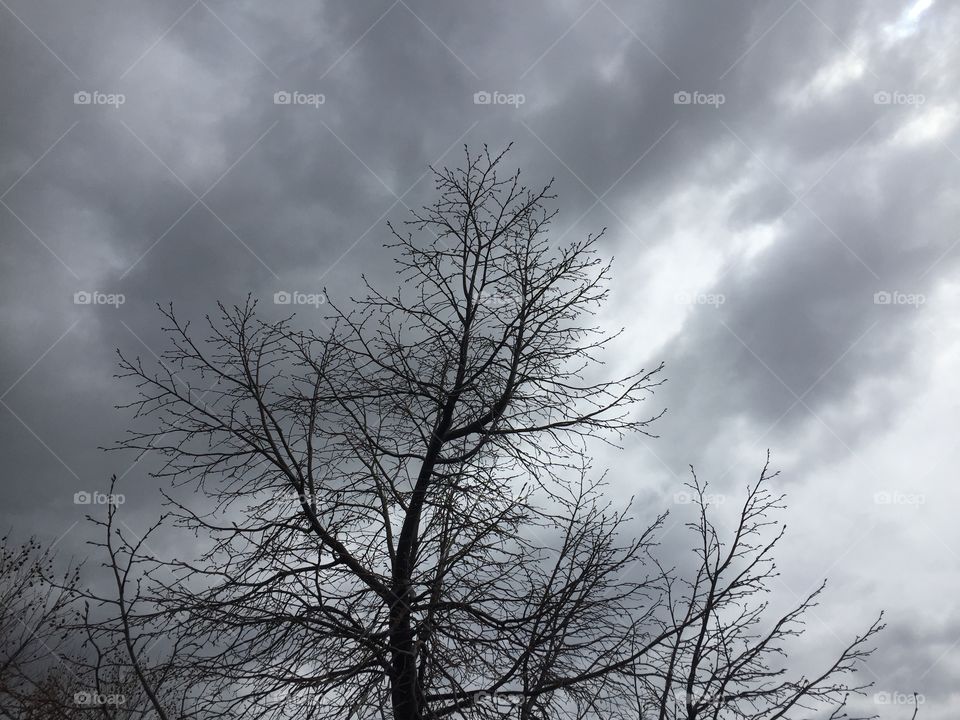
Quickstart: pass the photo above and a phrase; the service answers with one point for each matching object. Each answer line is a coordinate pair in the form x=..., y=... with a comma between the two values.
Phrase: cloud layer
x=778, y=182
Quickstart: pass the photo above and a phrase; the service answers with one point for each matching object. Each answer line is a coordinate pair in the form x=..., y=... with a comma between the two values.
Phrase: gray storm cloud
x=778, y=182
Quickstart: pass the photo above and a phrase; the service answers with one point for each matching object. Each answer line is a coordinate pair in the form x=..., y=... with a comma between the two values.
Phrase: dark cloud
x=751, y=235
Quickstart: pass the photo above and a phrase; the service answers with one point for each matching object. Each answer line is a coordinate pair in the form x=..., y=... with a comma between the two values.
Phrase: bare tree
x=35, y=617
x=398, y=515
x=727, y=655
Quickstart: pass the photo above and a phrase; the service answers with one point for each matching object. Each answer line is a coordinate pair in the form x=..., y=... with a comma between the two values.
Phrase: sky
x=778, y=182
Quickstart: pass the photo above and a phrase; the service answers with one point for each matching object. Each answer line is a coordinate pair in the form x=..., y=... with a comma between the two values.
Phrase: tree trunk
x=403, y=691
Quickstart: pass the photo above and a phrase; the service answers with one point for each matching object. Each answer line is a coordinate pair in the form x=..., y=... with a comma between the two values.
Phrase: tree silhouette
x=397, y=515
x=35, y=621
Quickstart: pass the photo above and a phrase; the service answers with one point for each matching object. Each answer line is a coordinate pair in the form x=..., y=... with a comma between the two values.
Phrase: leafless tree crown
x=397, y=516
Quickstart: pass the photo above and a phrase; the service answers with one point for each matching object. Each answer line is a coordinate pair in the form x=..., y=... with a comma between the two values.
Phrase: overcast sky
x=778, y=179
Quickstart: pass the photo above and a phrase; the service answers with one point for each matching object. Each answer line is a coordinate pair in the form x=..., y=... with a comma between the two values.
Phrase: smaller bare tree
x=35, y=621
x=132, y=664
x=726, y=656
